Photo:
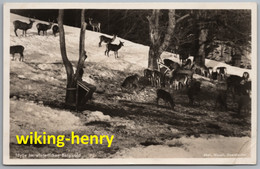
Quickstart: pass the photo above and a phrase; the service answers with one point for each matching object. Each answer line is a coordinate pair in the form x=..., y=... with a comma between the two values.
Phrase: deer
x=114, y=48
x=23, y=26
x=165, y=96
x=17, y=49
x=106, y=39
x=95, y=25
x=43, y=27
x=55, y=29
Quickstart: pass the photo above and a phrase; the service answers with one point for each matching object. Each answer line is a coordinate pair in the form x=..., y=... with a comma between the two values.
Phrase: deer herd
x=172, y=76
x=169, y=75
x=42, y=27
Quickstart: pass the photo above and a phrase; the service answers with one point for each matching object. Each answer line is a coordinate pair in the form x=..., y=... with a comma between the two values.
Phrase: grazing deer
x=165, y=96
x=55, y=29
x=17, y=49
x=43, y=27
x=193, y=90
x=131, y=81
x=23, y=26
x=114, y=48
x=179, y=81
x=95, y=25
x=106, y=39
x=171, y=64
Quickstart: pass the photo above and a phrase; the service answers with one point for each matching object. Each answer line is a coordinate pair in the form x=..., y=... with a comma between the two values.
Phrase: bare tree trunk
x=170, y=30
x=153, y=58
x=156, y=47
x=155, y=39
x=71, y=77
x=82, y=52
x=203, y=37
x=70, y=94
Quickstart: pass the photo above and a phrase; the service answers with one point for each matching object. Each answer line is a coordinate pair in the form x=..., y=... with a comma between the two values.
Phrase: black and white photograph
x=130, y=83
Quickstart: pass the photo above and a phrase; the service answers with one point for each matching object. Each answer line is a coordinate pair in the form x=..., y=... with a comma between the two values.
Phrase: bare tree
x=157, y=46
x=72, y=77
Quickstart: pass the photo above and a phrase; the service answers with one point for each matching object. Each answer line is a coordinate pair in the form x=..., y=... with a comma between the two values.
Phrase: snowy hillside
x=132, y=56
x=46, y=48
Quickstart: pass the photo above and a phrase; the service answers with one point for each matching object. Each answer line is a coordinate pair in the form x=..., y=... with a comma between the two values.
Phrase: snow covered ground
x=43, y=65
x=190, y=147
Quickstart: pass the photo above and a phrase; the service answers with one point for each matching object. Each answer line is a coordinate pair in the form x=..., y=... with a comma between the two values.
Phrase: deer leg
x=15, y=32
x=21, y=57
x=38, y=32
x=13, y=56
x=115, y=54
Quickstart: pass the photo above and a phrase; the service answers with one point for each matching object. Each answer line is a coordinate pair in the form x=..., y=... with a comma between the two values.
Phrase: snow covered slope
x=132, y=56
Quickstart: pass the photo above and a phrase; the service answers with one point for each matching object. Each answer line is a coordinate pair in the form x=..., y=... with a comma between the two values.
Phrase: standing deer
x=43, y=27
x=114, y=48
x=106, y=39
x=95, y=25
x=55, y=29
x=17, y=49
x=23, y=26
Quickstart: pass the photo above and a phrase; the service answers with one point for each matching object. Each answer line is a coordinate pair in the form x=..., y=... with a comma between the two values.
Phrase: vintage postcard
x=130, y=83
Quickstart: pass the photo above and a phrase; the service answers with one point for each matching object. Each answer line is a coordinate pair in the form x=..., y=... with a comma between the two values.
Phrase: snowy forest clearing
x=141, y=128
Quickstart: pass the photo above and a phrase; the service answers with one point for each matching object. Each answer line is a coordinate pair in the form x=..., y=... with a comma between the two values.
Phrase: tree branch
x=82, y=52
x=129, y=30
x=182, y=18
x=66, y=62
x=170, y=30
